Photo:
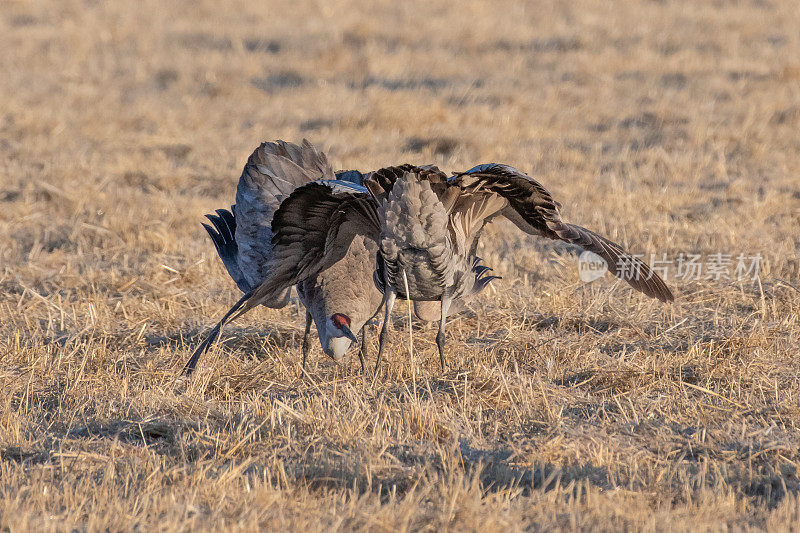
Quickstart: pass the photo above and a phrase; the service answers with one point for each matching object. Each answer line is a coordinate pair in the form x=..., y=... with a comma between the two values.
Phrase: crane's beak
x=348, y=333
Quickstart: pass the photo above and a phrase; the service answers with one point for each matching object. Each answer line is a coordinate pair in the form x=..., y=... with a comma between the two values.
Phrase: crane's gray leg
x=387, y=311
x=446, y=300
x=362, y=353
x=306, y=343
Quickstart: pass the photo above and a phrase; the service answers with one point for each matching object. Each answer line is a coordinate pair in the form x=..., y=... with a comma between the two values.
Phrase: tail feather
x=216, y=238
x=223, y=235
x=227, y=224
x=481, y=279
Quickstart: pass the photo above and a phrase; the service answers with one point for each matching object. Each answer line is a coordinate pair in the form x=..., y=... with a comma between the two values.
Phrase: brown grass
x=671, y=126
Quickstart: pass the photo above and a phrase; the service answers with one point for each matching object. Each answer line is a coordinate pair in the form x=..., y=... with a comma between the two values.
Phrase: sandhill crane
x=427, y=226
x=430, y=225
x=340, y=298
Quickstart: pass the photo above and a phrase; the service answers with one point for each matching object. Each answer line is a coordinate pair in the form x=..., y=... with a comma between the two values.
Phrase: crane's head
x=339, y=336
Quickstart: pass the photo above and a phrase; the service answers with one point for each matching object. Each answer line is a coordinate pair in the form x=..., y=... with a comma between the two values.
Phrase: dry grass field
x=670, y=126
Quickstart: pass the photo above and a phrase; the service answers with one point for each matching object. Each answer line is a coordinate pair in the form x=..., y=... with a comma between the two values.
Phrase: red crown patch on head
x=339, y=320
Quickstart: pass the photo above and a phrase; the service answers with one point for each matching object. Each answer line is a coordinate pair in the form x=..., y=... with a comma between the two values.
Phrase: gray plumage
x=272, y=172
x=425, y=227
x=244, y=241
x=431, y=225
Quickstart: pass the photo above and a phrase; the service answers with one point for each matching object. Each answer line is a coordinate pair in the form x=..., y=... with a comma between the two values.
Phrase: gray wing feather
x=223, y=235
x=533, y=209
x=272, y=173
x=312, y=229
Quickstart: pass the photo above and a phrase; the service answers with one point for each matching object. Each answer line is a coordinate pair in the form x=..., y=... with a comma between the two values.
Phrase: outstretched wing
x=533, y=209
x=313, y=229
x=272, y=172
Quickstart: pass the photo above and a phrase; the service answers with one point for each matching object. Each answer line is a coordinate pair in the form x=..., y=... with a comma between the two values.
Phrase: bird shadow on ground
x=233, y=339
x=430, y=453
x=496, y=470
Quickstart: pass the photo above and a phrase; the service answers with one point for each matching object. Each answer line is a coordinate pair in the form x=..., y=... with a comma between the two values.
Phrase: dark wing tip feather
x=229, y=221
x=485, y=280
x=534, y=203
x=216, y=238
x=191, y=364
x=480, y=270
x=225, y=225
x=214, y=334
x=623, y=265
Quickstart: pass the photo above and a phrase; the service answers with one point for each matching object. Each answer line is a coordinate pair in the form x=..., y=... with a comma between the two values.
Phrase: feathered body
x=415, y=240
x=419, y=231
x=430, y=225
x=423, y=235
x=244, y=239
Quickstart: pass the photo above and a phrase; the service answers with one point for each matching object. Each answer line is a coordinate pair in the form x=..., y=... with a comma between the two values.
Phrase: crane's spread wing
x=533, y=209
x=272, y=172
x=312, y=229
